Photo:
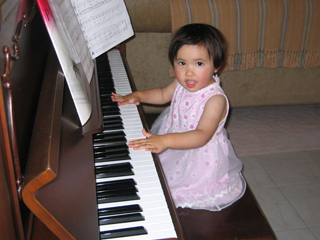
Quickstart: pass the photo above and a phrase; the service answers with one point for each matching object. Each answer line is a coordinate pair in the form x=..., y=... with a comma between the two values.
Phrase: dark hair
x=199, y=34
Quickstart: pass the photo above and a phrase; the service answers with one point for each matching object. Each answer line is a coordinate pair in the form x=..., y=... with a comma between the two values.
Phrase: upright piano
x=61, y=180
x=79, y=182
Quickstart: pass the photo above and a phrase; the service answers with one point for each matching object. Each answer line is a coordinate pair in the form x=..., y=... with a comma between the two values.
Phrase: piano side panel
x=75, y=204
x=66, y=200
x=7, y=223
x=26, y=78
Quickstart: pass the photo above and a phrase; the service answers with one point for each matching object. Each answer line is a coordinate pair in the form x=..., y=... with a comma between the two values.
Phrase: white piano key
x=157, y=222
x=150, y=202
x=150, y=223
x=138, y=177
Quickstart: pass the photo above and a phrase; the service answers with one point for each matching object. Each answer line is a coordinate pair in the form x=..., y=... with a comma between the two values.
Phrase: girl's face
x=194, y=68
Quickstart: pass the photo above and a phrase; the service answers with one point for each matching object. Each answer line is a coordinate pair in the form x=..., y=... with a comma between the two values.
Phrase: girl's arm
x=215, y=111
x=152, y=96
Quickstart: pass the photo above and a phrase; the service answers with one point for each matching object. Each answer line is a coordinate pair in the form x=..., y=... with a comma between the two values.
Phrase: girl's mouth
x=190, y=83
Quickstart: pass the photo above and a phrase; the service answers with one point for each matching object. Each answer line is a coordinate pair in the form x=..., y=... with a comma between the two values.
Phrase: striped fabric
x=260, y=33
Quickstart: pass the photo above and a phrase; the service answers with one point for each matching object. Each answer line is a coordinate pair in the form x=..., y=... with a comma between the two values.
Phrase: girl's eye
x=182, y=63
x=199, y=63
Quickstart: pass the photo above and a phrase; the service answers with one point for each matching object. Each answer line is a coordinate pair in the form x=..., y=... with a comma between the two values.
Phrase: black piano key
x=133, y=217
x=107, y=99
x=116, y=156
x=115, y=126
x=114, y=170
x=114, y=120
x=104, y=150
x=108, y=103
x=110, y=147
x=117, y=139
x=113, y=191
x=126, y=232
x=110, y=106
x=120, y=172
x=109, y=144
x=119, y=210
x=116, y=193
x=107, y=89
x=110, y=116
x=119, y=198
x=105, y=95
x=113, y=167
x=111, y=111
x=109, y=131
x=116, y=184
x=112, y=157
x=109, y=135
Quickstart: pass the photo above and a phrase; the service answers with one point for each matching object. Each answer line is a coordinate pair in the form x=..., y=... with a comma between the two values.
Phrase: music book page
x=81, y=30
x=77, y=83
x=105, y=24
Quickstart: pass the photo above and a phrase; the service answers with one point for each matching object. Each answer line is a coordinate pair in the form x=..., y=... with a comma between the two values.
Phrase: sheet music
x=99, y=24
x=71, y=32
x=81, y=31
x=77, y=83
x=105, y=23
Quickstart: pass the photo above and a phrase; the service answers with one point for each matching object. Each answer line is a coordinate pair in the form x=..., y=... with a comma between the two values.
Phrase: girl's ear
x=216, y=70
x=171, y=72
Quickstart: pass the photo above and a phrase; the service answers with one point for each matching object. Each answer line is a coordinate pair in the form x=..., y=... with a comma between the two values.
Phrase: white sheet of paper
x=78, y=85
x=71, y=32
x=81, y=31
x=105, y=23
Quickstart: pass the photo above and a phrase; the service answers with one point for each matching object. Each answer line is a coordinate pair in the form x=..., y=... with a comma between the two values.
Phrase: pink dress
x=208, y=177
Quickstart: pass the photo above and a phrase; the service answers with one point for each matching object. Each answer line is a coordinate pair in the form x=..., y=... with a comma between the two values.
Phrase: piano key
x=110, y=143
x=109, y=135
x=156, y=214
x=113, y=157
x=118, y=184
x=108, y=152
x=119, y=210
x=132, y=217
x=122, y=233
x=115, y=192
x=115, y=167
x=151, y=199
x=162, y=222
x=119, y=198
x=147, y=203
x=120, y=173
x=121, y=139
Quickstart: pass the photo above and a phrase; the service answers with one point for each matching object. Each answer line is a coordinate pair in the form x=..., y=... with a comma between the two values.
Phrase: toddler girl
x=198, y=160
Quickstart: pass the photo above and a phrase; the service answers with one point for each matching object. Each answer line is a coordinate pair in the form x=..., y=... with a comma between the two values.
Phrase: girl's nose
x=189, y=71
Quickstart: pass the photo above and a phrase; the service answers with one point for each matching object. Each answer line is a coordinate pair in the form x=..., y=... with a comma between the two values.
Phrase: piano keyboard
x=130, y=199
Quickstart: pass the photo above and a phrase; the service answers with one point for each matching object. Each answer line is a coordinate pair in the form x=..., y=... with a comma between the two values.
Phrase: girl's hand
x=127, y=99
x=153, y=143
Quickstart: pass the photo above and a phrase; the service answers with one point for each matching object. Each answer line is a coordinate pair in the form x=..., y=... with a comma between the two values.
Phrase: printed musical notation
x=82, y=30
x=97, y=19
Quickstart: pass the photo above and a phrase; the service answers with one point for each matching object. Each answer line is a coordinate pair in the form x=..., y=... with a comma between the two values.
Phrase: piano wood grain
x=59, y=179
x=43, y=161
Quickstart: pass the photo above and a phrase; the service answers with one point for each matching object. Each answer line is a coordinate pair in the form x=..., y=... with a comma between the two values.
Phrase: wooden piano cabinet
x=10, y=220
x=59, y=180
x=7, y=223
